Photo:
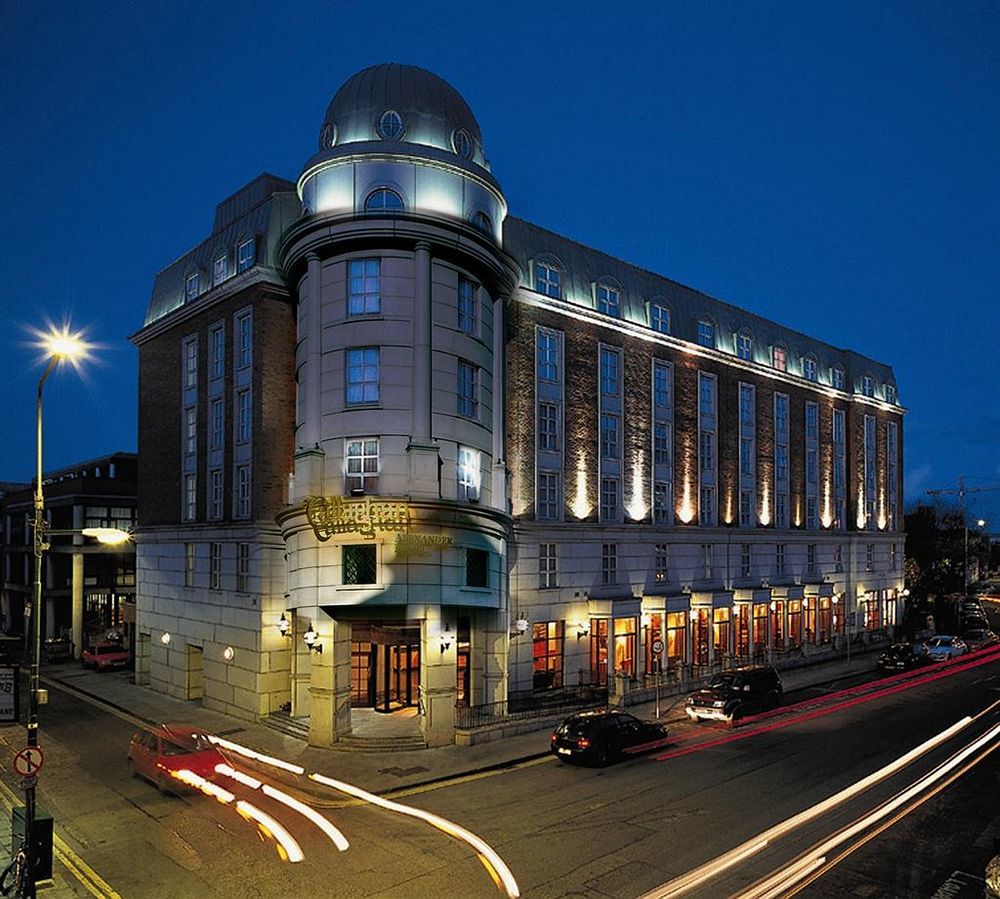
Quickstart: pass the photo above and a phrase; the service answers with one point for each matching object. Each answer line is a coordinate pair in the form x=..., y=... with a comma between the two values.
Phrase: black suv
x=903, y=657
x=605, y=734
x=736, y=692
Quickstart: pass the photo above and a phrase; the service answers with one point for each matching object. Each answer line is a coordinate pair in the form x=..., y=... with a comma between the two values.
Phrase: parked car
x=736, y=692
x=943, y=647
x=603, y=735
x=979, y=638
x=155, y=751
x=903, y=657
x=103, y=656
x=57, y=649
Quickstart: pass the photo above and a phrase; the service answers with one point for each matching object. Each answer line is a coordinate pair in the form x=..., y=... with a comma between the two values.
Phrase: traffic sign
x=657, y=647
x=28, y=762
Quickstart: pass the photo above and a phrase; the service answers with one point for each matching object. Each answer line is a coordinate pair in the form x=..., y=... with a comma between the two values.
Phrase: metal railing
x=528, y=704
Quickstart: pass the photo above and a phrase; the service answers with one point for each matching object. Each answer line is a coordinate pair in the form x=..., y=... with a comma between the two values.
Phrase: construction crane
x=961, y=492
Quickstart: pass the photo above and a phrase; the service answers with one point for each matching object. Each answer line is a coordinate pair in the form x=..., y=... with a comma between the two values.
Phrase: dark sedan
x=605, y=735
x=903, y=657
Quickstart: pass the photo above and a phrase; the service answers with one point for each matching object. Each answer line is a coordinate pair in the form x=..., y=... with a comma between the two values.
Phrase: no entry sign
x=28, y=761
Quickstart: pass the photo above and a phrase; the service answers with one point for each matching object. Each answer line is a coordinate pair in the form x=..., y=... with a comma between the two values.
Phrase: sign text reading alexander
x=331, y=515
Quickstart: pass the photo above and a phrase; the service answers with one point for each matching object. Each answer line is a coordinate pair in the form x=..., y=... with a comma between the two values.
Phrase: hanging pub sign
x=329, y=515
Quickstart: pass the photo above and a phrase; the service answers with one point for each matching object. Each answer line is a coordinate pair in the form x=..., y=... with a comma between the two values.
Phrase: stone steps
x=287, y=725
x=400, y=743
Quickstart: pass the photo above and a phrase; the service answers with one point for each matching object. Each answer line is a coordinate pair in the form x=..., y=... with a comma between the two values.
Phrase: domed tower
x=397, y=527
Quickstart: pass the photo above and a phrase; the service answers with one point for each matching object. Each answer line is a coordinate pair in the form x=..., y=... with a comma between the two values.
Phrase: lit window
x=364, y=286
x=218, y=344
x=468, y=318
x=245, y=255
x=608, y=300
x=838, y=379
x=809, y=369
x=360, y=564
x=242, y=491
x=547, y=280
x=548, y=427
x=361, y=463
x=609, y=499
x=659, y=318
x=244, y=327
x=462, y=143
x=220, y=269
x=390, y=125
x=779, y=358
x=744, y=346
x=546, y=565
x=191, y=286
x=548, y=496
x=548, y=356
x=468, y=473
x=706, y=334
x=215, y=566
x=468, y=390
x=243, y=567
x=243, y=416
x=383, y=200
x=610, y=385
x=215, y=494
x=362, y=375
x=609, y=564
x=547, y=655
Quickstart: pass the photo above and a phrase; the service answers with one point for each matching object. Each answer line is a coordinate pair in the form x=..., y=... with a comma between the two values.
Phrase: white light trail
x=288, y=849
x=257, y=756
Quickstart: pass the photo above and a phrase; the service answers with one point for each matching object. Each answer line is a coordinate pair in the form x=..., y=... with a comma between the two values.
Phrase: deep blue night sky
x=830, y=166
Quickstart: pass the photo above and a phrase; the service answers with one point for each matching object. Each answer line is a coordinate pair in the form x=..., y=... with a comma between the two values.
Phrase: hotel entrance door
x=385, y=666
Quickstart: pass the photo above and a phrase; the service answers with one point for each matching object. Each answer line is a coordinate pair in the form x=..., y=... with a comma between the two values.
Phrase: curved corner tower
x=397, y=525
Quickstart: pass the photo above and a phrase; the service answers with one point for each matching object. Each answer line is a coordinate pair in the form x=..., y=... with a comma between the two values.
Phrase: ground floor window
x=654, y=631
x=599, y=651
x=837, y=622
x=547, y=655
x=825, y=620
x=625, y=646
x=794, y=623
x=720, y=631
x=741, y=630
x=777, y=624
x=810, y=607
x=676, y=638
x=700, y=636
x=463, y=655
x=759, y=626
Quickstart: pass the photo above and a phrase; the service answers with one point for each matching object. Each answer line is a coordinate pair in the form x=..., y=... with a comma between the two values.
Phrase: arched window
x=383, y=199
x=483, y=222
x=390, y=125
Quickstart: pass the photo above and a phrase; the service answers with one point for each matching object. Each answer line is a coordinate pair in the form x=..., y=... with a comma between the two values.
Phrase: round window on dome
x=483, y=222
x=327, y=137
x=462, y=143
x=383, y=199
x=390, y=125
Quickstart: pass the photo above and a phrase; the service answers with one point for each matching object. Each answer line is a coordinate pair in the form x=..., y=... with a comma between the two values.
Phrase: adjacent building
x=400, y=450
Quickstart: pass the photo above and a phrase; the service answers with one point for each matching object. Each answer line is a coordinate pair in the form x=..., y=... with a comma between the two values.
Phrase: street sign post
x=28, y=762
x=658, y=653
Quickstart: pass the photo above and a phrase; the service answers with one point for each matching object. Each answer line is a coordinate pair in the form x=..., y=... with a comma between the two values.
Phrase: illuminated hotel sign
x=331, y=515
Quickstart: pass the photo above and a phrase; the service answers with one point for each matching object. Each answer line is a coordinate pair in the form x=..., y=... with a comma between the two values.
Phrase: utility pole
x=961, y=492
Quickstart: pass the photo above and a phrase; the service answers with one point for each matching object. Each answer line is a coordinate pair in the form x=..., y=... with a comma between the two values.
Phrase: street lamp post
x=981, y=523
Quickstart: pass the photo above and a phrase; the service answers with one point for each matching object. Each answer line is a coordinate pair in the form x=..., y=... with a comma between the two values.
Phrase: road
x=564, y=830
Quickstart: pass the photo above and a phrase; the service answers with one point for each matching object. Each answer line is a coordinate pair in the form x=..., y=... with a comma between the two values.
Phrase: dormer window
x=659, y=318
x=245, y=255
x=810, y=371
x=390, y=125
x=867, y=385
x=706, y=333
x=382, y=200
x=890, y=393
x=220, y=269
x=838, y=379
x=548, y=280
x=608, y=298
x=779, y=358
x=744, y=346
x=191, y=286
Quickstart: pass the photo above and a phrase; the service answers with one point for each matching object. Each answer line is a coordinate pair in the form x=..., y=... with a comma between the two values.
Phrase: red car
x=156, y=751
x=103, y=656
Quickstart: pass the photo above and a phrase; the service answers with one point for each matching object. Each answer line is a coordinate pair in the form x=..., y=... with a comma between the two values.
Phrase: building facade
x=400, y=450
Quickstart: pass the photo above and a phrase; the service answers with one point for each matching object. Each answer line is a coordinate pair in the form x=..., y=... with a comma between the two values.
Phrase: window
x=706, y=456
x=609, y=499
x=779, y=559
x=468, y=317
x=547, y=280
x=215, y=493
x=362, y=375
x=547, y=655
x=382, y=200
x=243, y=416
x=364, y=286
x=482, y=222
x=812, y=519
x=780, y=413
x=548, y=427
x=191, y=362
x=468, y=473
x=190, y=430
x=361, y=465
x=548, y=355
x=811, y=466
x=870, y=557
x=220, y=269
x=477, y=568
x=546, y=565
x=779, y=358
x=707, y=558
x=360, y=564
x=191, y=286
x=608, y=300
x=609, y=564
x=462, y=143
x=215, y=566
x=746, y=566
x=706, y=508
x=661, y=383
x=746, y=509
x=244, y=328
x=659, y=318
x=890, y=394
x=218, y=422
x=811, y=558
x=245, y=255
x=809, y=369
x=706, y=394
x=218, y=343
x=838, y=379
x=746, y=457
x=548, y=496
x=781, y=510
x=190, y=496
x=661, y=560
x=609, y=436
x=706, y=334
x=812, y=421
x=468, y=390
x=390, y=125
x=867, y=385
x=610, y=385
x=242, y=491
x=744, y=346
x=661, y=443
x=243, y=567
x=190, y=560
x=661, y=503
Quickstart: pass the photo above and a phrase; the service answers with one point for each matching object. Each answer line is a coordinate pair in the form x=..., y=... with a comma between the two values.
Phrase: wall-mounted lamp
x=906, y=592
x=284, y=626
x=774, y=606
x=646, y=619
x=694, y=614
x=228, y=653
x=165, y=638
x=805, y=602
x=582, y=629
x=309, y=638
x=836, y=599
x=520, y=626
x=446, y=639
